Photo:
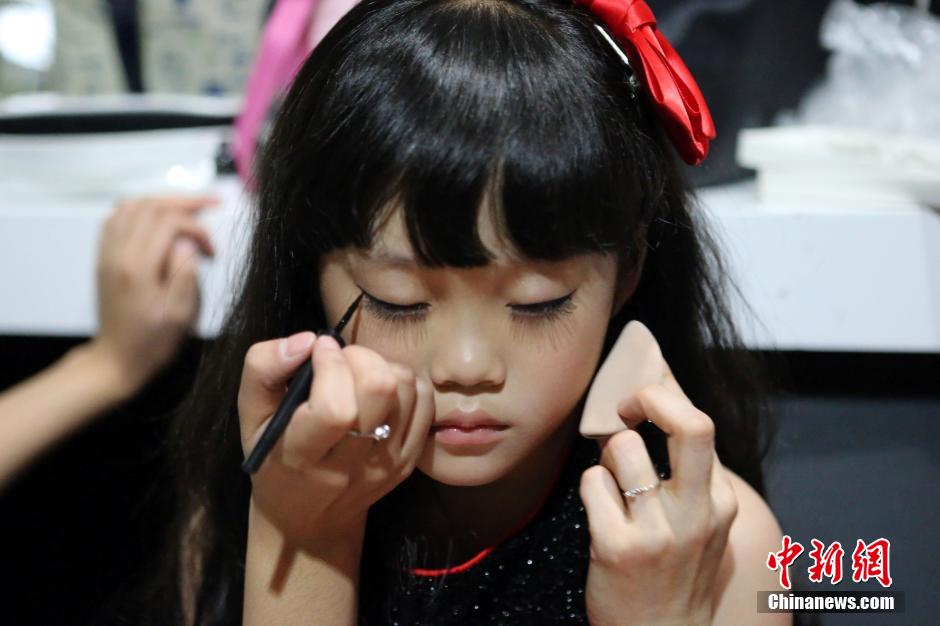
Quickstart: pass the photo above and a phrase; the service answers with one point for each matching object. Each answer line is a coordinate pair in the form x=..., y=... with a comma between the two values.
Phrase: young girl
x=492, y=177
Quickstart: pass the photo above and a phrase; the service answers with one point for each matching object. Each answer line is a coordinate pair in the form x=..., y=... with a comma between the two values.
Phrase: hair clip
x=631, y=76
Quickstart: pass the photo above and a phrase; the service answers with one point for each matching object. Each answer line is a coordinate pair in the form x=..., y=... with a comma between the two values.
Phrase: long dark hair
x=433, y=106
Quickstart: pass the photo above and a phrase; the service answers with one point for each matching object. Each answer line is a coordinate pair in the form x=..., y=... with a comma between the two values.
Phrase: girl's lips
x=467, y=436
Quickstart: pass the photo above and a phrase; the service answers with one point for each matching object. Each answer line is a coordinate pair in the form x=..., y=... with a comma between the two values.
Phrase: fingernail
x=184, y=245
x=297, y=343
x=328, y=343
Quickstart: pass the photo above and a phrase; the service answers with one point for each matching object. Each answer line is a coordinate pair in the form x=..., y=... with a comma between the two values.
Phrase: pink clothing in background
x=294, y=28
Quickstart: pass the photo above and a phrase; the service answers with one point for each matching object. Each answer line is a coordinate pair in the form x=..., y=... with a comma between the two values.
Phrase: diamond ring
x=380, y=433
x=636, y=491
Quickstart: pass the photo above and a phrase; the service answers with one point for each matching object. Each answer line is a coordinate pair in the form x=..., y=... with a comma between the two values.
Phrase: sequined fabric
x=536, y=576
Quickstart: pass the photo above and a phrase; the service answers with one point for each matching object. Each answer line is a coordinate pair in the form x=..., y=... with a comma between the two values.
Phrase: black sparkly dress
x=534, y=576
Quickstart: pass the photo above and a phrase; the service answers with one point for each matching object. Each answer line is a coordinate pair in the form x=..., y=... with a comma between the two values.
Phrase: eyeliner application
x=297, y=392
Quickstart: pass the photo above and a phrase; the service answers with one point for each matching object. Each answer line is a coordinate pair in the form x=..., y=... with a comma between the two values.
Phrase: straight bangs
x=454, y=105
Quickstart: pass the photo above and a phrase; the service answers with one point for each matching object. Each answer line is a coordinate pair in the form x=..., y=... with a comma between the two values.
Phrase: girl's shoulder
x=754, y=534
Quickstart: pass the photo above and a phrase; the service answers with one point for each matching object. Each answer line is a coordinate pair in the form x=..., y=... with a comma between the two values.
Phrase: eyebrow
x=391, y=258
x=396, y=259
x=400, y=260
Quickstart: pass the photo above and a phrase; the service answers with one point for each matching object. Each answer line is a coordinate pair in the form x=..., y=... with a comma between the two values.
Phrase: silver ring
x=380, y=433
x=636, y=491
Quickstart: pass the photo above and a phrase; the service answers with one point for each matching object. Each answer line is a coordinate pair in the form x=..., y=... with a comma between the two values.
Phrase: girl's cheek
x=556, y=384
x=582, y=358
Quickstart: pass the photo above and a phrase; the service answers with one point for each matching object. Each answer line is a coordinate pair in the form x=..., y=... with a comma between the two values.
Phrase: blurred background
x=823, y=185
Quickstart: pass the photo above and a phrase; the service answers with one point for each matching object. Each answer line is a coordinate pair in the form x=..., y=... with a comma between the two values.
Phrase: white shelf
x=830, y=278
x=48, y=252
x=815, y=278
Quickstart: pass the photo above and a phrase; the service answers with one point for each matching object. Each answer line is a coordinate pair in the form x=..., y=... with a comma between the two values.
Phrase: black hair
x=433, y=106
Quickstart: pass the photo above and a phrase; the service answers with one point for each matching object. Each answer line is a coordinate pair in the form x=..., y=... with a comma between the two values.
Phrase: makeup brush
x=297, y=392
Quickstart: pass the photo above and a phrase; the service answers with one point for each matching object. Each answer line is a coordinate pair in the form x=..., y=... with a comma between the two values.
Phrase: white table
x=831, y=279
x=815, y=278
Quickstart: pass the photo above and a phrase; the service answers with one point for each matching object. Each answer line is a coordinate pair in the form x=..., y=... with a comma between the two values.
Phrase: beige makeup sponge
x=634, y=362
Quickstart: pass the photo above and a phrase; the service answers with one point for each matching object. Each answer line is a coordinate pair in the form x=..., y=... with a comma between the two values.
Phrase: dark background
x=856, y=456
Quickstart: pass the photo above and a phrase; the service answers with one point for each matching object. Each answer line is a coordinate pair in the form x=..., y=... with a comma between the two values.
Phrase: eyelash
x=549, y=311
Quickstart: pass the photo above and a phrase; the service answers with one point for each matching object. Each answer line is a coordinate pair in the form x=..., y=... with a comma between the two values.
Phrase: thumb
x=268, y=367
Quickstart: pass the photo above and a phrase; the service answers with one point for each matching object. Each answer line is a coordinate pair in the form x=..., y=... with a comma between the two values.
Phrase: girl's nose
x=468, y=362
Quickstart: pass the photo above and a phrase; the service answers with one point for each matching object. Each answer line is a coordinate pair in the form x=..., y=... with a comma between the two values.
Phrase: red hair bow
x=679, y=103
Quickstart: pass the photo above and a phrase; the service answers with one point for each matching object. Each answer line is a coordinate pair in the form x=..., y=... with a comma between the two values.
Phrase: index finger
x=331, y=409
x=182, y=203
x=191, y=203
x=690, y=434
x=268, y=366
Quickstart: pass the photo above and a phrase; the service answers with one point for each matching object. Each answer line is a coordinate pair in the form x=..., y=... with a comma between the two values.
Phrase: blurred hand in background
x=148, y=290
x=148, y=301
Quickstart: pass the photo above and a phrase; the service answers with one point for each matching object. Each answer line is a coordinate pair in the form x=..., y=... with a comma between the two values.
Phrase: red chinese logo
x=872, y=560
x=826, y=563
x=782, y=560
x=869, y=560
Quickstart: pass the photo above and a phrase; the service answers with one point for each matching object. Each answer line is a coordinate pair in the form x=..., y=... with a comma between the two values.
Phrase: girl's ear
x=628, y=279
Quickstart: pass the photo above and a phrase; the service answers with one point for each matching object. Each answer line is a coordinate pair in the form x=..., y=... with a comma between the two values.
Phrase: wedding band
x=380, y=433
x=636, y=491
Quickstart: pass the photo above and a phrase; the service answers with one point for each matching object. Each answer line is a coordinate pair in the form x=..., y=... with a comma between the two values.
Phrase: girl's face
x=517, y=339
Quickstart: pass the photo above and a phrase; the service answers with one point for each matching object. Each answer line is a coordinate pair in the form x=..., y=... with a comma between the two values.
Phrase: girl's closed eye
x=527, y=313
